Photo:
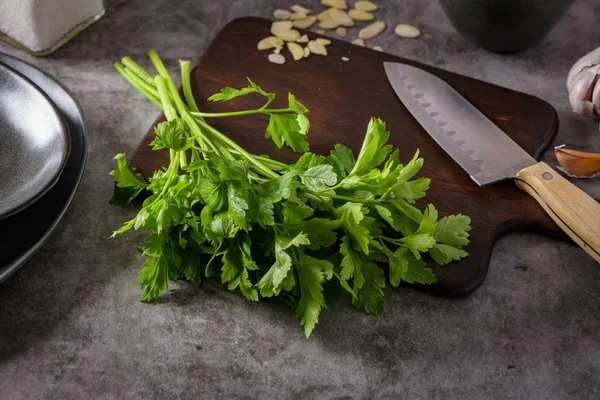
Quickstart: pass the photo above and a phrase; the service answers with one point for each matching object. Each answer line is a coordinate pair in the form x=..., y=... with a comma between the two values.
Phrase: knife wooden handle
x=572, y=209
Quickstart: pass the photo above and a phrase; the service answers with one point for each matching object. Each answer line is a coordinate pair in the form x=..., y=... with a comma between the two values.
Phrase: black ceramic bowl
x=505, y=26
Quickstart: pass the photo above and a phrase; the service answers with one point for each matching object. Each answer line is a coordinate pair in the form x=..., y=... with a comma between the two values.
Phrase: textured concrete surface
x=72, y=326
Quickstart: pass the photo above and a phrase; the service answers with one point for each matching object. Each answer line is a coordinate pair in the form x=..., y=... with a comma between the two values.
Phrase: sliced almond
x=305, y=23
x=277, y=50
x=325, y=14
x=365, y=6
x=306, y=52
x=371, y=30
x=407, y=31
x=328, y=24
x=340, y=4
x=341, y=31
x=297, y=15
x=266, y=43
x=281, y=14
x=317, y=48
x=277, y=42
x=289, y=36
x=281, y=25
x=345, y=59
x=320, y=31
x=360, y=15
x=341, y=18
x=323, y=41
x=359, y=42
x=300, y=9
x=276, y=58
x=296, y=50
x=302, y=39
x=378, y=48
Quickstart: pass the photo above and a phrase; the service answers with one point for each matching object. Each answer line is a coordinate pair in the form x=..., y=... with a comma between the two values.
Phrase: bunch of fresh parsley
x=275, y=229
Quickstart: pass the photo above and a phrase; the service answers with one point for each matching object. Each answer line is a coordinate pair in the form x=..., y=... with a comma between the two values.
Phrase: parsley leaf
x=171, y=135
x=374, y=149
x=453, y=230
x=370, y=295
x=311, y=275
x=343, y=156
x=229, y=93
x=236, y=264
x=285, y=129
x=128, y=182
x=319, y=178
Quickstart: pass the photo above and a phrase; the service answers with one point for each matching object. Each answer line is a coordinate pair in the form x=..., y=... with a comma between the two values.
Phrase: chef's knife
x=488, y=155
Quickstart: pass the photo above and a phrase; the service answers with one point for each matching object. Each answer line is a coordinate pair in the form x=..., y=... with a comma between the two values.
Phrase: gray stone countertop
x=72, y=325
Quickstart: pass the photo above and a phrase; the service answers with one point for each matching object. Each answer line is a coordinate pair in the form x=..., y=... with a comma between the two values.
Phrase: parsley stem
x=186, y=85
x=260, y=167
x=390, y=240
x=244, y=112
x=267, y=160
x=158, y=64
x=165, y=100
x=270, y=99
x=345, y=198
x=137, y=69
x=137, y=83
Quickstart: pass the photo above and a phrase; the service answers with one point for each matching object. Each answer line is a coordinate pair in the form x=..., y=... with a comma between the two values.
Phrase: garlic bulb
x=583, y=85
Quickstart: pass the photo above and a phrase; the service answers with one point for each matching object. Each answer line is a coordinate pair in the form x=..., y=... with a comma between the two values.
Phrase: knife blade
x=488, y=155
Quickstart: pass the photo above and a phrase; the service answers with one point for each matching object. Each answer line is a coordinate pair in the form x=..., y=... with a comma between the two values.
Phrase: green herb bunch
x=293, y=231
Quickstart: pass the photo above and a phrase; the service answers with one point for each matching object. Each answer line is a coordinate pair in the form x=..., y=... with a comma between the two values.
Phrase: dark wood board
x=342, y=96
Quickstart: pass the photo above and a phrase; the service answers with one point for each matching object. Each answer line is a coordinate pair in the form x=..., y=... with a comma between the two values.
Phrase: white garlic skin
x=589, y=60
x=583, y=78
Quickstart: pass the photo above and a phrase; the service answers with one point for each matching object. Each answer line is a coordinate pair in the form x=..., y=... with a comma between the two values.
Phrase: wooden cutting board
x=341, y=97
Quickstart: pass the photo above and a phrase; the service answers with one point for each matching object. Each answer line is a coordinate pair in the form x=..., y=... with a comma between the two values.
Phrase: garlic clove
x=576, y=163
x=580, y=97
x=587, y=61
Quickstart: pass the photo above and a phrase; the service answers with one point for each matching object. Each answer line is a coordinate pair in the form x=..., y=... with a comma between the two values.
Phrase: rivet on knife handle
x=573, y=210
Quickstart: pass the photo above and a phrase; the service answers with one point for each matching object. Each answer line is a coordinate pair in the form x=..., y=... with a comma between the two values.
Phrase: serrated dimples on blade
x=468, y=136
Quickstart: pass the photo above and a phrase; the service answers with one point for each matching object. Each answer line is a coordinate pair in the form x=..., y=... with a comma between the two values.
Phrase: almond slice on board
x=281, y=14
x=360, y=15
x=365, y=6
x=306, y=52
x=323, y=41
x=305, y=23
x=345, y=59
x=325, y=14
x=296, y=50
x=296, y=16
x=372, y=30
x=317, y=48
x=320, y=31
x=302, y=39
x=340, y=4
x=289, y=36
x=378, y=48
x=328, y=24
x=269, y=43
x=297, y=8
x=341, y=31
x=266, y=43
x=358, y=42
x=407, y=31
x=276, y=58
x=341, y=18
x=281, y=25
